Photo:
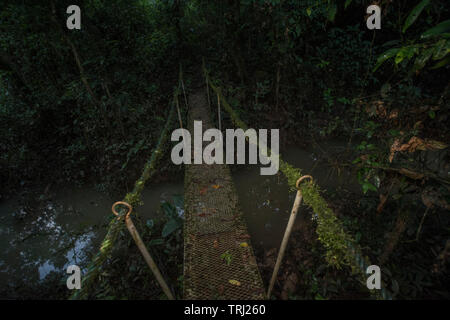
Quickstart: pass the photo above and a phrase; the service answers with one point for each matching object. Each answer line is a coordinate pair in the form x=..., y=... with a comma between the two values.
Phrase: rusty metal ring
x=297, y=185
x=130, y=208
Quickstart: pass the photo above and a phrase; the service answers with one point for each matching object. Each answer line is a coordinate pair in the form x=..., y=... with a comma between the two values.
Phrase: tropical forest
x=334, y=183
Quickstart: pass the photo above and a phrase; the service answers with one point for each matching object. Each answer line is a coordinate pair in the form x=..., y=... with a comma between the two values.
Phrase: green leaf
x=432, y=114
x=385, y=56
x=394, y=132
x=178, y=200
x=150, y=223
x=405, y=53
x=169, y=210
x=308, y=11
x=156, y=242
x=347, y=3
x=391, y=43
x=414, y=14
x=357, y=237
x=443, y=27
x=399, y=57
x=441, y=49
x=377, y=181
x=368, y=186
x=441, y=63
x=170, y=227
x=422, y=59
x=332, y=9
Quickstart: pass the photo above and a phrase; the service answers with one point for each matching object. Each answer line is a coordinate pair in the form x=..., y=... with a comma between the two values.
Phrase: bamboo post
x=147, y=257
x=287, y=233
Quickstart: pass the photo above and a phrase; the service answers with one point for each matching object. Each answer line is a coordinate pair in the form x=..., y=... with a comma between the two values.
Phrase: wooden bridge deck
x=218, y=257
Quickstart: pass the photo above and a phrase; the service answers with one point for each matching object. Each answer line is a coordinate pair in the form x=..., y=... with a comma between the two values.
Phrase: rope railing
x=133, y=198
x=341, y=248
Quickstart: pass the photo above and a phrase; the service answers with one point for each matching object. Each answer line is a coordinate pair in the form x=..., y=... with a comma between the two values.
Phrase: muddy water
x=266, y=200
x=42, y=236
x=41, y=239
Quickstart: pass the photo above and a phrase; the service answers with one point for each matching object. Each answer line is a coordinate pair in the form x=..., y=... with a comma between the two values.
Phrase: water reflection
x=60, y=230
x=67, y=228
x=266, y=200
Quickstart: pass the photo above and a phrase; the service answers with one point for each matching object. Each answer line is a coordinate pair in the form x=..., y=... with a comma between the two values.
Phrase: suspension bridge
x=219, y=262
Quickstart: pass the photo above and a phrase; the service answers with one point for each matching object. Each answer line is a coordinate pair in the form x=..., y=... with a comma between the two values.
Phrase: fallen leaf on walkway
x=244, y=244
x=234, y=282
x=216, y=244
x=204, y=214
x=220, y=290
x=215, y=186
x=230, y=218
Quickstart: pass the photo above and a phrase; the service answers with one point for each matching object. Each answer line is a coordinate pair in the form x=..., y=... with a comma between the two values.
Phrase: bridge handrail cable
x=341, y=248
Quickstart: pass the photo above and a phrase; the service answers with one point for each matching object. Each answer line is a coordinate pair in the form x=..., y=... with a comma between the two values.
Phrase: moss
x=329, y=229
x=341, y=249
x=133, y=199
x=292, y=174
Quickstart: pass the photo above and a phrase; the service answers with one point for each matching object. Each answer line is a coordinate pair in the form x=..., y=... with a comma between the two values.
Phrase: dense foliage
x=87, y=100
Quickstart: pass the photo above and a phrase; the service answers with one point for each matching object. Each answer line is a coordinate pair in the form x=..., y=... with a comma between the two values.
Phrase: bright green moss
x=341, y=249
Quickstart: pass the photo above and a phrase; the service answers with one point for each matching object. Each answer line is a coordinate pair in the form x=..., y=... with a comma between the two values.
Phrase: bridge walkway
x=219, y=262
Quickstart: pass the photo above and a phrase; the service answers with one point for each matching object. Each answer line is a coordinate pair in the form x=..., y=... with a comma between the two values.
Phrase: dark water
x=62, y=229
x=67, y=227
x=34, y=241
x=266, y=200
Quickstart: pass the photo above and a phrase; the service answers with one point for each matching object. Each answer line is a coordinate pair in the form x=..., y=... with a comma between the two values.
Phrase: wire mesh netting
x=218, y=257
